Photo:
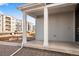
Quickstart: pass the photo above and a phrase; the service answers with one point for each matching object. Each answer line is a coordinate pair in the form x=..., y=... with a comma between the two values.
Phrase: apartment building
x=19, y=25
x=30, y=27
x=1, y=22
x=7, y=23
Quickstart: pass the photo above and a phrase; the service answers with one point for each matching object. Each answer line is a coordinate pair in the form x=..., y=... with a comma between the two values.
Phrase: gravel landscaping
x=38, y=52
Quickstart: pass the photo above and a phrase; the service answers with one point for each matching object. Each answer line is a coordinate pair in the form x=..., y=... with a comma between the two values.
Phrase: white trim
x=74, y=27
x=59, y=4
x=45, y=44
x=56, y=4
x=16, y=51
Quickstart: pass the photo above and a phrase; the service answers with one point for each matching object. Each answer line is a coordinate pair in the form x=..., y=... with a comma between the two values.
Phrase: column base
x=22, y=45
x=45, y=45
x=24, y=42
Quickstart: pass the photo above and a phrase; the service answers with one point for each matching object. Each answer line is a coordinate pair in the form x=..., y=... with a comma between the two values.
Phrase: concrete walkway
x=6, y=50
x=65, y=47
x=38, y=52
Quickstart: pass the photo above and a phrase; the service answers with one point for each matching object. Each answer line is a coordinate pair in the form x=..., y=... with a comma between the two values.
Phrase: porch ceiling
x=55, y=9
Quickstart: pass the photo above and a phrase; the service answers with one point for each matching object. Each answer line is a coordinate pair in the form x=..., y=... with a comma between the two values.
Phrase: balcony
x=8, y=18
x=8, y=23
x=8, y=29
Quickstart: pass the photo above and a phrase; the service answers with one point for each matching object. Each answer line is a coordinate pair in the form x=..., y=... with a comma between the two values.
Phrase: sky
x=11, y=10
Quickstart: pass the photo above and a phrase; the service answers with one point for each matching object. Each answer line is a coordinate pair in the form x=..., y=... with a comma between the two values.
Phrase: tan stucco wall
x=61, y=27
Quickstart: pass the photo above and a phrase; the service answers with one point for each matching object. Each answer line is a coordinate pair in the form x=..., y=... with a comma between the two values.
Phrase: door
x=77, y=23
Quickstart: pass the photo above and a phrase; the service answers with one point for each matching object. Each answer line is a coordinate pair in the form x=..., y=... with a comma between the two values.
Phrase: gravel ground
x=7, y=50
x=37, y=52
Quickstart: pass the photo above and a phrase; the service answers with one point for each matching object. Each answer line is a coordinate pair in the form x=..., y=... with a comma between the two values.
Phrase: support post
x=45, y=44
x=24, y=40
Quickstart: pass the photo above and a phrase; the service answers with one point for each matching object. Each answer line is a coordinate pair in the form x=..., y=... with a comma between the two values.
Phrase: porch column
x=45, y=44
x=24, y=40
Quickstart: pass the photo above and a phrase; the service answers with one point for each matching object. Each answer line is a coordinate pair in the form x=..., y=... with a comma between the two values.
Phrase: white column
x=24, y=40
x=45, y=44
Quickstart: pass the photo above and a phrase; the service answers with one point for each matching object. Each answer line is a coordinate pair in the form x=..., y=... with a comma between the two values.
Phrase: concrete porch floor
x=6, y=50
x=65, y=47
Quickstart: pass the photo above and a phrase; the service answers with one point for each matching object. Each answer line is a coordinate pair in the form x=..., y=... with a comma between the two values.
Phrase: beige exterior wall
x=61, y=27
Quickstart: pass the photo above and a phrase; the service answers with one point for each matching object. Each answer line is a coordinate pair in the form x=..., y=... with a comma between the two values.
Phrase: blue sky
x=11, y=9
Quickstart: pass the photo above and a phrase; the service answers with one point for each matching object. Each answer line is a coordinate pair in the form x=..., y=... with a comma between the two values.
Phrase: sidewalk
x=6, y=50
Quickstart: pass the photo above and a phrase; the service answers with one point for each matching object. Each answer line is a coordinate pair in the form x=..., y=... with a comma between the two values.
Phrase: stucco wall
x=39, y=28
x=61, y=27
